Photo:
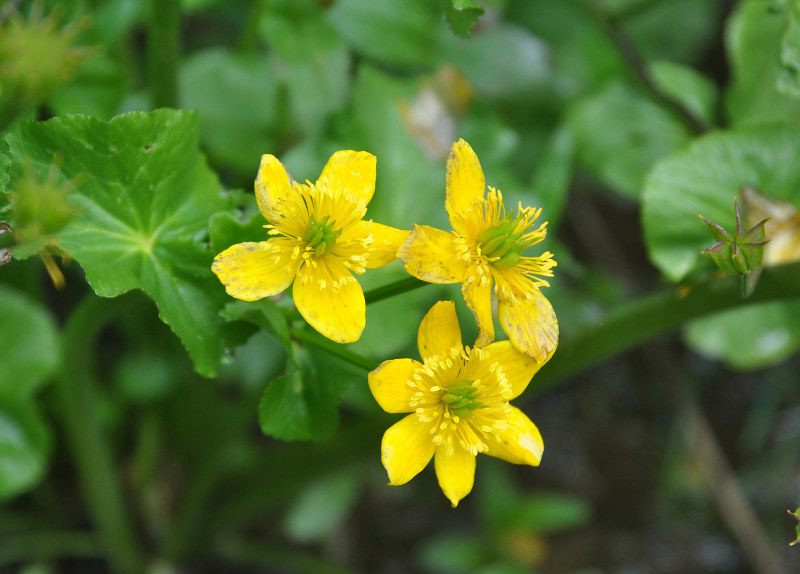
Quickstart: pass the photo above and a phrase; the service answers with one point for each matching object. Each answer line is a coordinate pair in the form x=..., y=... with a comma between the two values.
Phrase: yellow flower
x=319, y=240
x=458, y=400
x=484, y=249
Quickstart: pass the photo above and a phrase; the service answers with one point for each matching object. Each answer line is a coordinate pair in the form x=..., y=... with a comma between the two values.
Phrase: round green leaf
x=750, y=337
x=703, y=180
x=29, y=345
x=24, y=446
x=620, y=133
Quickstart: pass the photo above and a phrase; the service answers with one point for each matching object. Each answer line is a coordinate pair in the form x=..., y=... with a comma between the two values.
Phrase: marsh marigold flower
x=319, y=239
x=484, y=250
x=459, y=403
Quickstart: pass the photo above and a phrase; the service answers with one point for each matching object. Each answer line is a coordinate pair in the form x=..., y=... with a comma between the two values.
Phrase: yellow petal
x=519, y=443
x=439, y=331
x=273, y=187
x=352, y=173
x=388, y=384
x=430, y=254
x=385, y=241
x=518, y=367
x=330, y=299
x=456, y=472
x=252, y=271
x=406, y=449
x=465, y=184
x=530, y=324
x=477, y=292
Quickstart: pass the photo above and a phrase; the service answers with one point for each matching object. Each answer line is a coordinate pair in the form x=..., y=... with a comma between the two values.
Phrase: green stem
x=335, y=349
x=93, y=460
x=638, y=321
x=163, y=52
x=397, y=288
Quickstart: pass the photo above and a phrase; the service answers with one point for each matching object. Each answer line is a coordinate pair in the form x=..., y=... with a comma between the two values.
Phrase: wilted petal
x=439, y=331
x=430, y=254
x=519, y=443
x=252, y=271
x=455, y=471
x=477, y=292
x=330, y=299
x=465, y=185
x=351, y=173
x=389, y=385
x=517, y=366
x=273, y=187
x=530, y=324
x=406, y=449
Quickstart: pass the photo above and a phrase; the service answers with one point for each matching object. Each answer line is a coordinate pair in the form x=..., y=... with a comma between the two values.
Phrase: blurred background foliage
x=149, y=423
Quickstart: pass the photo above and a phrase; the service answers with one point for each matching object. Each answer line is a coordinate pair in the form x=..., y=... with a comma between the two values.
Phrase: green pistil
x=320, y=235
x=502, y=244
x=461, y=397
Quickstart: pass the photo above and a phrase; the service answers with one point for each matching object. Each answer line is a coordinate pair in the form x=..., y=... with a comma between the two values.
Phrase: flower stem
x=162, y=52
x=398, y=287
x=334, y=349
x=92, y=456
x=634, y=323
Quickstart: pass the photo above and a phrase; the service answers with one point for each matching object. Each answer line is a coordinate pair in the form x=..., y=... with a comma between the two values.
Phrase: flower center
x=503, y=243
x=320, y=235
x=460, y=398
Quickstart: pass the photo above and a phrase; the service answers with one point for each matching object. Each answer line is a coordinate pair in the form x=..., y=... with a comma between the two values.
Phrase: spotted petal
x=430, y=254
x=530, y=324
x=252, y=271
x=477, y=292
x=352, y=173
x=456, y=472
x=518, y=367
x=519, y=443
x=384, y=241
x=330, y=299
x=439, y=331
x=406, y=449
x=389, y=385
x=465, y=184
x=273, y=188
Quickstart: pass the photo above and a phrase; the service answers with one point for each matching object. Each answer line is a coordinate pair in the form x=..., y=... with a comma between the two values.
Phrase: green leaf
x=553, y=174
x=462, y=15
x=24, y=446
x=302, y=404
x=548, y=512
x=29, y=345
x=753, y=41
x=619, y=135
x=237, y=95
x=752, y=337
x=789, y=77
x=696, y=92
x=703, y=180
x=313, y=61
x=505, y=62
x=454, y=553
x=145, y=196
x=322, y=507
x=395, y=32
x=263, y=313
x=97, y=90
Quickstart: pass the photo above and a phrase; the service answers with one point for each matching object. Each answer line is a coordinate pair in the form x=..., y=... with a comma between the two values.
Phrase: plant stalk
x=91, y=453
x=163, y=49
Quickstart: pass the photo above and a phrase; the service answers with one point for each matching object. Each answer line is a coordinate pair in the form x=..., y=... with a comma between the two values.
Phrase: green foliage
x=144, y=210
x=30, y=355
x=462, y=15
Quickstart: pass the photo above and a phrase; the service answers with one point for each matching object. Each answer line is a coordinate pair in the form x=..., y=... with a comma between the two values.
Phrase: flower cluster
x=458, y=397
